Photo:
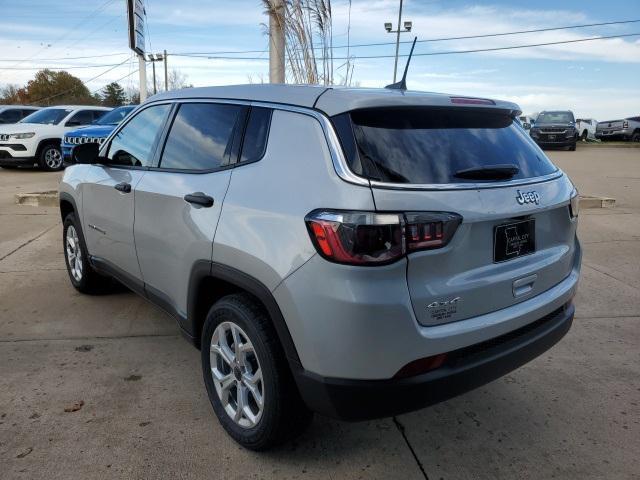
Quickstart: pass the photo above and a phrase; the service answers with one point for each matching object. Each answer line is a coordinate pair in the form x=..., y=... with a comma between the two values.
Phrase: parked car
x=15, y=113
x=358, y=253
x=555, y=129
x=626, y=129
x=35, y=140
x=97, y=132
x=586, y=128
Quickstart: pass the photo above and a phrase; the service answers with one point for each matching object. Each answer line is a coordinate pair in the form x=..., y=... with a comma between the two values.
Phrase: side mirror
x=86, y=153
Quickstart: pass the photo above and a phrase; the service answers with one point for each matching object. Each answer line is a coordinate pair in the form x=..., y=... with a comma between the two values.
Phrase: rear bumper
x=464, y=370
x=613, y=134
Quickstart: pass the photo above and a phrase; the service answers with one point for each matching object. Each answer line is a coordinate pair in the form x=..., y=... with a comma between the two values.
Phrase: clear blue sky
x=598, y=79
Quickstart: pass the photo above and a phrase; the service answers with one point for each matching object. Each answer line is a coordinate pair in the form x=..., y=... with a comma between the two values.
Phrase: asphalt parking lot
x=141, y=410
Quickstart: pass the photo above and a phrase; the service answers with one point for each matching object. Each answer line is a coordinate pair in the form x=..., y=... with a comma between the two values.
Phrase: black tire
x=284, y=414
x=572, y=147
x=49, y=152
x=584, y=136
x=635, y=137
x=90, y=281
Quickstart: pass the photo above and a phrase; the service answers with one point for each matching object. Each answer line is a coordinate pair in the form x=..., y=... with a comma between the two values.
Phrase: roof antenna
x=402, y=84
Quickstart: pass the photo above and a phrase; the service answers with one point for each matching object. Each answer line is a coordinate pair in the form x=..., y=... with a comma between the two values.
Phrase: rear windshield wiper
x=488, y=172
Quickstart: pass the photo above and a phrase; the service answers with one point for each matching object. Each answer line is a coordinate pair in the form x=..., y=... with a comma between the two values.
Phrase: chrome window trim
x=339, y=161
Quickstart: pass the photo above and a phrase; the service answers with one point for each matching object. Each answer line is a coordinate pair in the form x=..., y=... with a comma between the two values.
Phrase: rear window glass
x=428, y=146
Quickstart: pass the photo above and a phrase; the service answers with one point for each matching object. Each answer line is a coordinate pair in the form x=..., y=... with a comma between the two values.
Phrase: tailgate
x=464, y=279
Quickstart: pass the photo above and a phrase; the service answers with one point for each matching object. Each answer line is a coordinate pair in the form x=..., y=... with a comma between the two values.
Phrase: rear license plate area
x=513, y=240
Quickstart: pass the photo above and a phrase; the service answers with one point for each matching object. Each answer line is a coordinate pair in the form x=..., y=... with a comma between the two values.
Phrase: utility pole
x=142, y=70
x=276, y=42
x=407, y=28
x=158, y=57
x=153, y=64
x=166, y=76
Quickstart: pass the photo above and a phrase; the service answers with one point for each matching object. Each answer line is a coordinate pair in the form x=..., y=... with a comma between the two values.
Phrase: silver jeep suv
x=356, y=253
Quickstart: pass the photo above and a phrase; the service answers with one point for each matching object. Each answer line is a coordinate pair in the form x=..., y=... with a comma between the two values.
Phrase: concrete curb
x=38, y=199
x=608, y=144
x=587, y=201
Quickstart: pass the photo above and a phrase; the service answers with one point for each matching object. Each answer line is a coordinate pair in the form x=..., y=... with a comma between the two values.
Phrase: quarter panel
x=262, y=230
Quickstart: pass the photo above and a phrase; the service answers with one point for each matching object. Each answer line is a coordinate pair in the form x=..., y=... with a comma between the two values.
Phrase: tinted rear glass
x=428, y=146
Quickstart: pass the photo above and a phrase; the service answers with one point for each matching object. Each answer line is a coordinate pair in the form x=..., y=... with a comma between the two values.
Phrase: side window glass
x=256, y=134
x=134, y=144
x=200, y=137
x=83, y=117
x=10, y=116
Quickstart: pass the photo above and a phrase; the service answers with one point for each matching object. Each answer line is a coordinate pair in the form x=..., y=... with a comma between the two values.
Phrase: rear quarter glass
x=429, y=145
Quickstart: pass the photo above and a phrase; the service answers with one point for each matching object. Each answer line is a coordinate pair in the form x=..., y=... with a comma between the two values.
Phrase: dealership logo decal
x=528, y=197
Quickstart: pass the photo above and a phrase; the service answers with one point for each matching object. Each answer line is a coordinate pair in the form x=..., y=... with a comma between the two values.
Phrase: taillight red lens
x=430, y=230
x=367, y=238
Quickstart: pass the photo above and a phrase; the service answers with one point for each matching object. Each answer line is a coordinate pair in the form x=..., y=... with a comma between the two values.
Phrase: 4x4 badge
x=528, y=197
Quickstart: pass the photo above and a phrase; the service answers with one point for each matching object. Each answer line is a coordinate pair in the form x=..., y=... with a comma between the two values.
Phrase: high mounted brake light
x=471, y=101
x=367, y=238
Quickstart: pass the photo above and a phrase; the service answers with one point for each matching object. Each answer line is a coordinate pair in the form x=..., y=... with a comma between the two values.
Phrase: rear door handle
x=199, y=198
x=123, y=187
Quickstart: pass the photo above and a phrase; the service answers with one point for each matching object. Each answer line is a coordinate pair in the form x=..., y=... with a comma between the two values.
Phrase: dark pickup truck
x=625, y=129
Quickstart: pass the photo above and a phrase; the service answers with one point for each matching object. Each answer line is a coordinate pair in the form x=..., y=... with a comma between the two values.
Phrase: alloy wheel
x=53, y=158
x=74, y=253
x=237, y=375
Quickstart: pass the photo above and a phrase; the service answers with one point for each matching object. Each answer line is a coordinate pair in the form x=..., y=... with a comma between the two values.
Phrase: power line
x=450, y=52
x=441, y=39
x=116, y=81
x=427, y=40
x=65, y=34
x=63, y=67
x=65, y=58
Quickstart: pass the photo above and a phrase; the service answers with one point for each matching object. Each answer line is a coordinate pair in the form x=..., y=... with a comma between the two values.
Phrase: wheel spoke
x=224, y=352
x=251, y=382
x=240, y=401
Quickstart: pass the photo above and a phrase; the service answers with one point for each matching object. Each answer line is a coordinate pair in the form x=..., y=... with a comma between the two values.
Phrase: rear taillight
x=574, y=204
x=625, y=124
x=367, y=238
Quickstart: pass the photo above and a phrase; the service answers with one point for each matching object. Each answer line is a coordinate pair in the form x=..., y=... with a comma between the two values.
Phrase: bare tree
x=308, y=40
x=177, y=80
x=10, y=94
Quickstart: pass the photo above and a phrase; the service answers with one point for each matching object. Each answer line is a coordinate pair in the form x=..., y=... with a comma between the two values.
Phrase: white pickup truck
x=586, y=128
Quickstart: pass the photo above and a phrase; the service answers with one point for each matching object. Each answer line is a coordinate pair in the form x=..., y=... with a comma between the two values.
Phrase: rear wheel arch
x=211, y=281
x=67, y=206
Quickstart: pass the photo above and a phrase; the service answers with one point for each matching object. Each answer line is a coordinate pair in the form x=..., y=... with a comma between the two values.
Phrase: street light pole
x=395, y=65
x=389, y=28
